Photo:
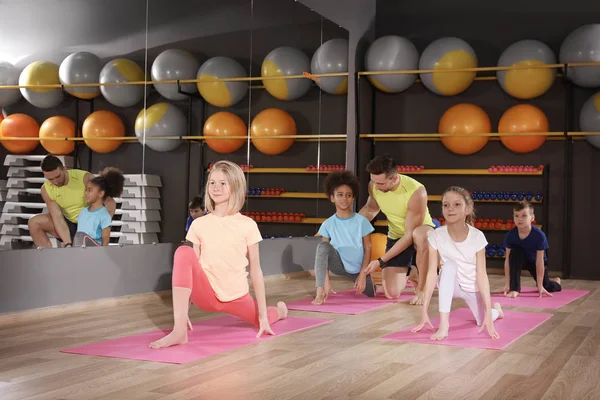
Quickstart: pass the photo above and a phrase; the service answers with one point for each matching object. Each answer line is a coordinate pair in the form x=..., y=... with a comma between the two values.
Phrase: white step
x=135, y=238
x=3, y=183
x=6, y=240
x=6, y=218
x=140, y=192
x=13, y=194
x=139, y=215
x=24, y=172
x=12, y=207
x=137, y=204
x=21, y=183
x=137, y=227
x=23, y=160
x=142, y=180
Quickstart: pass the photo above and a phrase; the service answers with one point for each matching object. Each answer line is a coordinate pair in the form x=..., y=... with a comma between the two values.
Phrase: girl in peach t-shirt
x=213, y=273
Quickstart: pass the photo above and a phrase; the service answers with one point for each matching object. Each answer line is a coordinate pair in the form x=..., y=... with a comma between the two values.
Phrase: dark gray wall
x=489, y=28
x=35, y=279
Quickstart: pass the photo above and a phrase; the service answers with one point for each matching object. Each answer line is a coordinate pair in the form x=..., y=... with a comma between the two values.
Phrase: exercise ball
x=272, y=122
x=378, y=243
x=523, y=118
x=9, y=76
x=589, y=119
x=465, y=119
x=392, y=53
x=526, y=83
x=222, y=93
x=174, y=64
x=103, y=124
x=580, y=46
x=331, y=57
x=286, y=61
x=19, y=126
x=122, y=70
x=161, y=120
x=448, y=53
x=41, y=73
x=225, y=124
x=81, y=67
x=58, y=127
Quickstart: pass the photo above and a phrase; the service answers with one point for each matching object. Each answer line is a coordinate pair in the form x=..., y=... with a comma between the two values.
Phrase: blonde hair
x=468, y=201
x=237, y=187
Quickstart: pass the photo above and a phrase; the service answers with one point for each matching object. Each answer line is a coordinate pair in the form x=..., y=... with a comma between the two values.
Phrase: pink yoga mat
x=464, y=332
x=208, y=337
x=529, y=297
x=347, y=302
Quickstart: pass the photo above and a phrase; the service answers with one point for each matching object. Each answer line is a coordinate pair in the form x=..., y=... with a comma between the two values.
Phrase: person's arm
x=482, y=280
x=417, y=207
x=371, y=208
x=58, y=219
x=434, y=261
x=258, y=283
x=106, y=236
x=367, y=250
x=507, y=271
x=539, y=270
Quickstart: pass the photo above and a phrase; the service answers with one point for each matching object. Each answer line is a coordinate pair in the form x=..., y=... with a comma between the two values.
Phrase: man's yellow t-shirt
x=70, y=197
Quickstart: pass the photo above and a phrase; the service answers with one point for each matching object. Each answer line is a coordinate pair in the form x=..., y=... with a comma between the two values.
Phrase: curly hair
x=110, y=181
x=338, y=178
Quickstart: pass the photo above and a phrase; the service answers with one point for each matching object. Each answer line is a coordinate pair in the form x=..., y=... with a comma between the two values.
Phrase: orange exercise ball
x=273, y=122
x=58, y=127
x=465, y=119
x=19, y=125
x=378, y=242
x=225, y=123
x=104, y=124
x=523, y=118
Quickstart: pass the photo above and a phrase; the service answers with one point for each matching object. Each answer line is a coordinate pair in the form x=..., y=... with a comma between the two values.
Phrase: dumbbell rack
x=136, y=219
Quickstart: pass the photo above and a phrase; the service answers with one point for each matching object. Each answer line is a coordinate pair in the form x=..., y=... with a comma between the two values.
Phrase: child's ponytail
x=111, y=181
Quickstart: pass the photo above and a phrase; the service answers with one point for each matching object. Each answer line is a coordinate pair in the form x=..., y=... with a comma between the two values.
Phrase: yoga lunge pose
x=346, y=246
x=526, y=247
x=403, y=200
x=94, y=222
x=213, y=273
x=64, y=195
x=460, y=249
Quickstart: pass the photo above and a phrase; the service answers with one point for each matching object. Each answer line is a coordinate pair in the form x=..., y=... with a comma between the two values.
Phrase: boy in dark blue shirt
x=526, y=247
x=196, y=210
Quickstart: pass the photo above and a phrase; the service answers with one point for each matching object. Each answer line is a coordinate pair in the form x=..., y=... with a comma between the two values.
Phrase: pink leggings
x=188, y=273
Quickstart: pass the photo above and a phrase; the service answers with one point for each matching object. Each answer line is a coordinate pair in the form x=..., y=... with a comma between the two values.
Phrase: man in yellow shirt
x=64, y=195
x=404, y=202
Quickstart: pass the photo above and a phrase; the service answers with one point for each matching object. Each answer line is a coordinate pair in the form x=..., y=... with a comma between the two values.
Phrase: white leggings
x=449, y=288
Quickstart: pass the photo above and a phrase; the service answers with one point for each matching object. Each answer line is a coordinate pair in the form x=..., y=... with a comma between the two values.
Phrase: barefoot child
x=213, y=273
x=526, y=249
x=94, y=221
x=346, y=246
x=460, y=248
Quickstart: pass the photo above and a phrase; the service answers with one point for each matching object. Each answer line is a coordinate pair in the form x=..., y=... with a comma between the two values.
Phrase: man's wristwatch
x=381, y=262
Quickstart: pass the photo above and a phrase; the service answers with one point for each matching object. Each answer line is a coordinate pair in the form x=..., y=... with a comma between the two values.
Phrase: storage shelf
x=303, y=221
x=282, y=171
x=384, y=222
x=469, y=172
x=310, y=195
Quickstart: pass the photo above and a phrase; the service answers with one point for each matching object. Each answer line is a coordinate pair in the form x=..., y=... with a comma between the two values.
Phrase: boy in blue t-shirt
x=346, y=246
x=526, y=247
x=196, y=210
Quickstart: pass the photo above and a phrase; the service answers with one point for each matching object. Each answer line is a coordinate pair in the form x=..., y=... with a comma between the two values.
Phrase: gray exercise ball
x=161, y=120
x=526, y=83
x=392, y=53
x=81, y=67
x=448, y=53
x=582, y=45
x=122, y=70
x=331, y=57
x=174, y=64
x=41, y=73
x=222, y=93
x=286, y=61
x=9, y=76
x=589, y=119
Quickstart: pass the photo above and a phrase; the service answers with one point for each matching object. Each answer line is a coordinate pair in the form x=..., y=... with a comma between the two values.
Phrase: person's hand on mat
x=489, y=324
x=506, y=289
x=543, y=292
x=264, y=326
x=361, y=283
x=424, y=321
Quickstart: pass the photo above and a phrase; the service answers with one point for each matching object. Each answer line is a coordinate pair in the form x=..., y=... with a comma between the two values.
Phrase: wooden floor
x=345, y=359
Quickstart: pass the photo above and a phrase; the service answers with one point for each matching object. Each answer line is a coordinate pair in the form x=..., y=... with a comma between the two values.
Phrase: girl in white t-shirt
x=460, y=250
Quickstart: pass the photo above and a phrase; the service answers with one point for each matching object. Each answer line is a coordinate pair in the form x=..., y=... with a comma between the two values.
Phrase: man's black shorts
x=72, y=228
x=404, y=259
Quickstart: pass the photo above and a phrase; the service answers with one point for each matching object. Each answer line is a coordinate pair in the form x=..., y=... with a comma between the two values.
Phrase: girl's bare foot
x=557, y=280
x=441, y=334
x=282, y=309
x=512, y=294
x=498, y=308
x=320, y=298
x=172, y=339
x=418, y=299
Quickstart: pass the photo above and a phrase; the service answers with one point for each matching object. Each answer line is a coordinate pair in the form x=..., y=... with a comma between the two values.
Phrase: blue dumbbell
x=486, y=195
x=521, y=196
x=500, y=252
x=538, y=196
x=474, y=196
x=493, y=195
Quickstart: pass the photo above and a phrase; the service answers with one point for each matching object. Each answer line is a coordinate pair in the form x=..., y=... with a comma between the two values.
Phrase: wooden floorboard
x=345, y=359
